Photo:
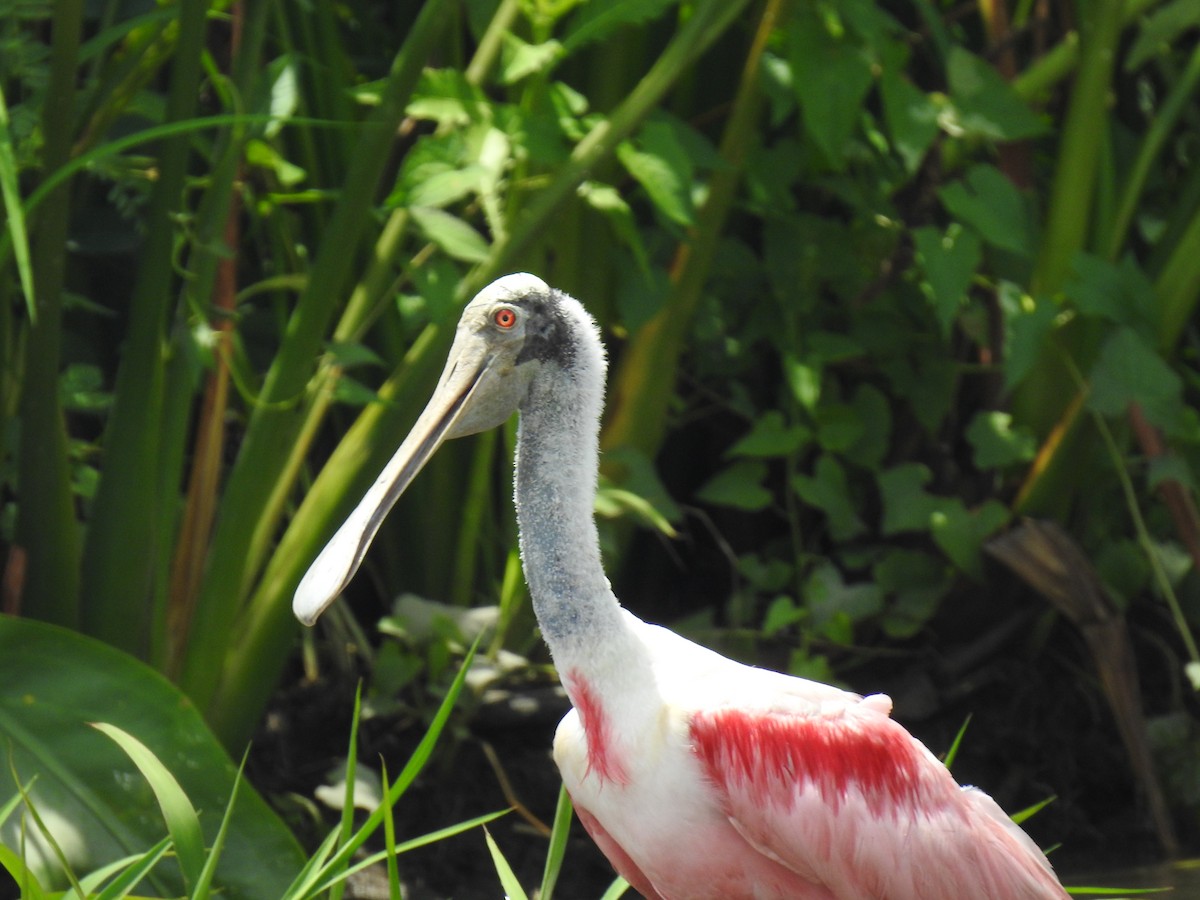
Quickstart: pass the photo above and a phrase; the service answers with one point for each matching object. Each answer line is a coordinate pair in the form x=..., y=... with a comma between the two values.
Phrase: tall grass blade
x=203, y=887
x=122, y=548
x=346, y=825
x=558, y=843
x=15, y=215
x=31, y=888
x=616, y=890
x=508, y=879
x=416, y=762
x=183, y=824
x=129, y=872
x=46, y=528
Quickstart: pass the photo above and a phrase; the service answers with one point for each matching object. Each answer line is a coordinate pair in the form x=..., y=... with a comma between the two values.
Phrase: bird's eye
x=504, y=318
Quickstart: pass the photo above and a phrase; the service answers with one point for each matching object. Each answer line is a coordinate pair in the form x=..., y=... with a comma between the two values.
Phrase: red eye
x=504, y=318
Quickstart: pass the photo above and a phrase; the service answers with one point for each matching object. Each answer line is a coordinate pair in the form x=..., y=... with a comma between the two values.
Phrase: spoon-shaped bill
x=332, y=570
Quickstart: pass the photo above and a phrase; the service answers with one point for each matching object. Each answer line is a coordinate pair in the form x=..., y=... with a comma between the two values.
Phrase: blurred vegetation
x=892, y=290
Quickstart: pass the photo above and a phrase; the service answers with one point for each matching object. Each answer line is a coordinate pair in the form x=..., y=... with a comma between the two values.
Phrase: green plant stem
x=255, y=495
x=47, y=532
x=1060, y=61
x=1072, y=192
x=493, y=39
x=122, y=541
x=1178, y=286
x=1149, y=151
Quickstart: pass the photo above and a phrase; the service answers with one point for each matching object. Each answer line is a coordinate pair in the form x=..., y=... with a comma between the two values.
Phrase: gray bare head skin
x=512, y=331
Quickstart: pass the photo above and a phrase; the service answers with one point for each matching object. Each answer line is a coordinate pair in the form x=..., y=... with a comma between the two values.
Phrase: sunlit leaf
x=996, y=442
x=960, y=532
x=911, y=116
x=458, y=238
x=987, y=105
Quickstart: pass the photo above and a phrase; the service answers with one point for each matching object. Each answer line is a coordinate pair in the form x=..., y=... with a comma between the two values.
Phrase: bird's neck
x=557, y=456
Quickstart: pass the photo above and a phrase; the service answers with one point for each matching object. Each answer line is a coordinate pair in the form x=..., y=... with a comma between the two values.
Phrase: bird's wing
x=844, y=796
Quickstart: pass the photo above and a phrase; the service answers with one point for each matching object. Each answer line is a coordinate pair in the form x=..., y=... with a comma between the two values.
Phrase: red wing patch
x=774, y=755
x=603, y=758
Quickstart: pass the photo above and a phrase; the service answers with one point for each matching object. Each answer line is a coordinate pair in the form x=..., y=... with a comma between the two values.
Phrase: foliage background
x=899, y=299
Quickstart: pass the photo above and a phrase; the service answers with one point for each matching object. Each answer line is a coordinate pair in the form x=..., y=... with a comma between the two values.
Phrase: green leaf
x=987, y=105
x=508, y=879
x=993, y=206
x=911, y=116
x=771, y=436
x=950, y=260
x=183, y=824
x=874, y=414
x=1028, y=322
x=782, y=613
x=829, y=492
x=829, y=598
x=997, y=444
x=522, y=59
x=456, y=237
x=915, y=584
x=86, y=780
x=559, y=833
x=1119, y=293
x=960, y=532
x=1160, y=30
x=10, y=192
x=739, y=486
x=661, y=165
x=906, y=504
x=1130, y=371
x=831, y=76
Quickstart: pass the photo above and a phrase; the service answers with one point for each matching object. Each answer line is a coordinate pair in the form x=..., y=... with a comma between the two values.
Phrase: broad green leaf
x=907, y=506
x=914, y=583
x=874, y=415
x=828, y=490
x=265, y=156
x=456, y=237
x=438, y=189
x=663, y=168
x=950, y=260
x=738, y=485
x=183, y=824
x=771, y=436
x=1119, y=292
x=911, y=116
x=829, y=597
x=996, y=443
x=1028, y=322
x=782, y=613
x=607, y=200
x=522, y=59
x=54, y=682
x=987, y=105
x=993, y=206
x=1130, y=371
x=831, y=75
x=960, y=532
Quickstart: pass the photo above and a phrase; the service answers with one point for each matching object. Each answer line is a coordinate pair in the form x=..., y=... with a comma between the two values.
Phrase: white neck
x=556, y=466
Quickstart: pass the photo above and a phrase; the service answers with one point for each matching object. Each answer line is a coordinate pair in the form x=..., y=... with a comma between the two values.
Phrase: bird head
x=510, y=330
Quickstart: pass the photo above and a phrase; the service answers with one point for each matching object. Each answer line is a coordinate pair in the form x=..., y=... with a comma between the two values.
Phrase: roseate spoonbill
x=698, y=777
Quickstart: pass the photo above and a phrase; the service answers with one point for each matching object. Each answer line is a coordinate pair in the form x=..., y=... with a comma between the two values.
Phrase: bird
x=697, y=776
